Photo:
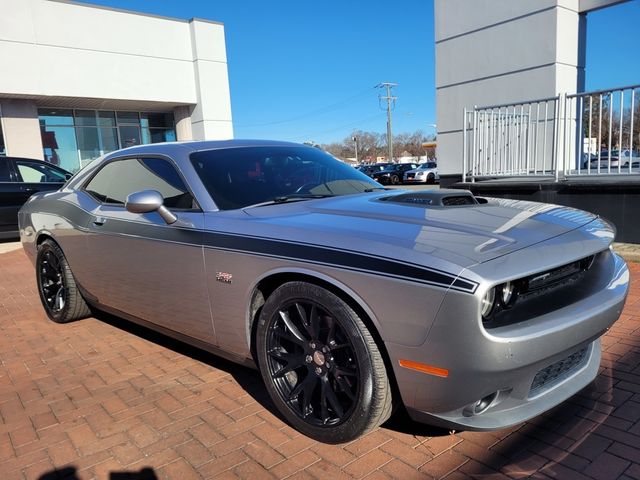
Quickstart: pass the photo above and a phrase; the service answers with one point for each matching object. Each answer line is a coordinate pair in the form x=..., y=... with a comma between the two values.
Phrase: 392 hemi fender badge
x=224, y=277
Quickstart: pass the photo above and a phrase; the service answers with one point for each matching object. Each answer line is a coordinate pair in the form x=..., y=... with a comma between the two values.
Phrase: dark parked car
x=19, y=179
x=394, y=173
x=369, y=170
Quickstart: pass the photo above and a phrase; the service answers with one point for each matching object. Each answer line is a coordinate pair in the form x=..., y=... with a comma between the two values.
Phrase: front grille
x=563, y=274
x=547, y=291
x=555, y=373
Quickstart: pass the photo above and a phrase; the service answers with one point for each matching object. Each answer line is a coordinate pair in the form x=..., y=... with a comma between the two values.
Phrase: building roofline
x=133, y=12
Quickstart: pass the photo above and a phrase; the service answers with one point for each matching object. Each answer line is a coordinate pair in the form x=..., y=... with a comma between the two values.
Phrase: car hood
x=379, y=225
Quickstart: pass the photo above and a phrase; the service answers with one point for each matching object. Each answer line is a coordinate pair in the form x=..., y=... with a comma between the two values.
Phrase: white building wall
x=64, y=52
x=211, y=112
x=20, y=125
x=492, y=52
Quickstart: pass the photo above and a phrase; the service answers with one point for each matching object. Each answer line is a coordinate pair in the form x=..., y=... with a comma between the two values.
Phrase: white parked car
x=425, y=173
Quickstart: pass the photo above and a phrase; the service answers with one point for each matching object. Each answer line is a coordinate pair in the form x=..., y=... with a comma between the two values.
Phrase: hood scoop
x=435, y=198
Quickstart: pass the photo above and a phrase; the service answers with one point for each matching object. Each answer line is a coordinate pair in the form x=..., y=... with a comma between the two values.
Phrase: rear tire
x=320, y=364
x=431, y=178
x=58, y=290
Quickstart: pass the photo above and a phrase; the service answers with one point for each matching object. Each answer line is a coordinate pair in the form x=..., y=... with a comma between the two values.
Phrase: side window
x=4, y=171
x=117, y=180
x=32, y=172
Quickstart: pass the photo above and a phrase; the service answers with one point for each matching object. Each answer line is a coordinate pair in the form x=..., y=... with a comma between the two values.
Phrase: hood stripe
x=294, y=251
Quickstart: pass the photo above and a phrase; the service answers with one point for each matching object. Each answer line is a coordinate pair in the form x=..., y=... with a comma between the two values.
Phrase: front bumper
x=524, y=369
x=415, y=180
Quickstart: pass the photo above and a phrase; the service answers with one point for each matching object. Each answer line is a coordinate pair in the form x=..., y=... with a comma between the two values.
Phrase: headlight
x=419, y=174
x=487, y=303
x=508, y=294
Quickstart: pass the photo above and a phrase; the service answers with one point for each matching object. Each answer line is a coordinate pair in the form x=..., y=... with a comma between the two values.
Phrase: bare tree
x=372, y=144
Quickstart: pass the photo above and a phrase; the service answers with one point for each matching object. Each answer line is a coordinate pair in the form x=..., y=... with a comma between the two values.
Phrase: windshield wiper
x=296, y=197
x=300, y=196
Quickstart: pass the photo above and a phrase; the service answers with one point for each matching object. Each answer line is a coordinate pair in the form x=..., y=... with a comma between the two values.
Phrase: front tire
x=58, y=290
x=320, y=364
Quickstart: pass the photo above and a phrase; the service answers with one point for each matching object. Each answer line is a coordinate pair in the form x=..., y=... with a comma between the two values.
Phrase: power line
x=357, y=122
x=328, y=108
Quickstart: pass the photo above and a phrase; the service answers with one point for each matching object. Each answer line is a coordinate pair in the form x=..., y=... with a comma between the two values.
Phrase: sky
x=307, y=70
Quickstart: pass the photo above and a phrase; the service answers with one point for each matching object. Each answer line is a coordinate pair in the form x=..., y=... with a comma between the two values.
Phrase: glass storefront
x=73, y=138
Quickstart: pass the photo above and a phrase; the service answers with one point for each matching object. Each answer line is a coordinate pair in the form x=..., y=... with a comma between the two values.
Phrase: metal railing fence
x=589, y=133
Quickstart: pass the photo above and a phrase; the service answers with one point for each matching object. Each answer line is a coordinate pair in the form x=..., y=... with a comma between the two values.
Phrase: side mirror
x=148, y=201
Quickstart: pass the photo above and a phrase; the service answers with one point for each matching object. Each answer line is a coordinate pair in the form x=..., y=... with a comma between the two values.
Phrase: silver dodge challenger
x=473, y=313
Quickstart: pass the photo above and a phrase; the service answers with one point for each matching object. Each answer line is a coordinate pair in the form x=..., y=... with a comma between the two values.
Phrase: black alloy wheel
x=395, y=180
x=52, y=283
x=321, y=367
x=431, y=178
x=58, y=291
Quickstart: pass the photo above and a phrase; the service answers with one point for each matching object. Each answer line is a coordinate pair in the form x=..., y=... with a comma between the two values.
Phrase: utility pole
x=391, y=103
x=355, y=141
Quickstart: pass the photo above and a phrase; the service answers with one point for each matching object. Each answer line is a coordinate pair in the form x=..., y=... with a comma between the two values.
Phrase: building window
x=157, y=127
x=73, y=138
x=59, y=138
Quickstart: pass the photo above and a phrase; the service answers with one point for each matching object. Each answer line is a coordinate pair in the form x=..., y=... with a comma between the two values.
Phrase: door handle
x=99, y=221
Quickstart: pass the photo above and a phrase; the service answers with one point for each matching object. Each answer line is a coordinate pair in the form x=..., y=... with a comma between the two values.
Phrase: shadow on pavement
x=249, y=379
x=70, y=473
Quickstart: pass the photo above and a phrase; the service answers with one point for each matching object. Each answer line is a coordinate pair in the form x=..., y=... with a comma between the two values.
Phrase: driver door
x=143, y=266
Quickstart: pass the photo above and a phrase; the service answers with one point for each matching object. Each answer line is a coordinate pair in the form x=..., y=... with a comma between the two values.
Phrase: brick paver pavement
x=99, y=398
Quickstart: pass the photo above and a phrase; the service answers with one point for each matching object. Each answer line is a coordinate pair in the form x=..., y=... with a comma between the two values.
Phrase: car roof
x=57, y=167
x=200, y=145
x=6, y=157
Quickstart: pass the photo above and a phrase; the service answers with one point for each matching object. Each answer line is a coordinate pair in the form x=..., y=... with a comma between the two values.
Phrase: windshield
x=428, y=165
x=244, y=176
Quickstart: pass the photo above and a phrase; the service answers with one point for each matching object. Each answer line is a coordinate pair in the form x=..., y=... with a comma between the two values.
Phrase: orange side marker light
x=423, y=368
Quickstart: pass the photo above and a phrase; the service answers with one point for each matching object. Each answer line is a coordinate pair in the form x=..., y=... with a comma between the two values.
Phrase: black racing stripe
x=334, y=257
x=267, y=247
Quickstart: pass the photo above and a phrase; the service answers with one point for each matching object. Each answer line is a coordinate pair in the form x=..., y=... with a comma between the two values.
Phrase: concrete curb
x=629, y=251
x=6, y=247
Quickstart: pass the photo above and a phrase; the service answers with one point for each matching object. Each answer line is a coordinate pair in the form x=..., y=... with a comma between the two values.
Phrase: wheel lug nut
x=309, y=359
x=312, y=345
x=328, y=365
x=318, y=370
x=325, y=349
